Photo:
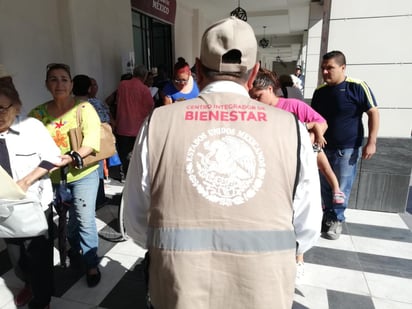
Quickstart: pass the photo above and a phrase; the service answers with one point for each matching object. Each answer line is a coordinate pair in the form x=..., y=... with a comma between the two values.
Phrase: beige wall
x=188, y=29
x=89, y=35
x=374, y=36
x=313, y=49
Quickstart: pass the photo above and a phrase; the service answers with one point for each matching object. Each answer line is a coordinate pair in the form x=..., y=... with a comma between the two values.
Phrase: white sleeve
x=47, y=148
x=136, y=192
x=307, y=202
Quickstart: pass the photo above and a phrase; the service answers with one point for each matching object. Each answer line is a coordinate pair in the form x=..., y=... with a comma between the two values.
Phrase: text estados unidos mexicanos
x=161, y=5
x=228, y=112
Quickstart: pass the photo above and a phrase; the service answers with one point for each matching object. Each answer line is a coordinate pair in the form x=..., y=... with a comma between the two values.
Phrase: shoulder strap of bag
x=79, y=115
x=298, y=163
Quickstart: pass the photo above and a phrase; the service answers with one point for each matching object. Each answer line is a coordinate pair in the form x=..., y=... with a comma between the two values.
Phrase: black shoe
x=93, y=279
x=33, y=305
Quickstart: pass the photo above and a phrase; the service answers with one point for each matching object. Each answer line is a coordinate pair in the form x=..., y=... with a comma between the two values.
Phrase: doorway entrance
x=152, y=41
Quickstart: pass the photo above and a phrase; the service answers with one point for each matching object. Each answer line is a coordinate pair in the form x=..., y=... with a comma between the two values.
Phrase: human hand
x=65, y=160
x=368, y=151
x=167, y=100
x=321, y=141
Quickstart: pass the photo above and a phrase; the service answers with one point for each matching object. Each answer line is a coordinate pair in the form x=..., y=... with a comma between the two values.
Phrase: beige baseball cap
x=227, y=35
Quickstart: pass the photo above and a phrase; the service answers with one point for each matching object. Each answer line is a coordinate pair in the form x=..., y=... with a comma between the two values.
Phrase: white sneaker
x=300, y=271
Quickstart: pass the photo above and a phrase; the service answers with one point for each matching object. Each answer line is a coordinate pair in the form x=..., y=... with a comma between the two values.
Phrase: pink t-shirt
x=303, y=111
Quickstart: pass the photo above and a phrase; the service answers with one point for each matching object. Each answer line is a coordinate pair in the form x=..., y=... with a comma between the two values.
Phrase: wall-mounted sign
x=128, y=62
x=161, y=9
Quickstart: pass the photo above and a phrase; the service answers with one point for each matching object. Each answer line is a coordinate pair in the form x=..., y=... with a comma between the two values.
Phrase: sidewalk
x=369, y=266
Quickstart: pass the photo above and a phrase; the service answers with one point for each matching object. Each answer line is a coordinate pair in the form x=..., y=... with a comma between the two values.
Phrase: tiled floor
x=370, y=266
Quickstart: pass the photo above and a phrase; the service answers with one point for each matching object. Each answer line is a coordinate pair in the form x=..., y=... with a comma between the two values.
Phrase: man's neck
x=338, y=82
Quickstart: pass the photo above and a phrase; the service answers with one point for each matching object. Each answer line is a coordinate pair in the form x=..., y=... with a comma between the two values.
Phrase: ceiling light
x=239, y=12
x=264, y=42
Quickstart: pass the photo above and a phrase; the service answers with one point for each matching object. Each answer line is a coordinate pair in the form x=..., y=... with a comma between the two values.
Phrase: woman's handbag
x=22, y=218
x=107, y=141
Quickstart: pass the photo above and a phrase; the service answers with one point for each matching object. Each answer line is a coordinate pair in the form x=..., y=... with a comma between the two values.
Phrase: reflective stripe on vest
x=220, y=240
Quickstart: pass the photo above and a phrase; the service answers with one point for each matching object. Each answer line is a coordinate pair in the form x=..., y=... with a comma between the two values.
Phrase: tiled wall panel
x=383, y=182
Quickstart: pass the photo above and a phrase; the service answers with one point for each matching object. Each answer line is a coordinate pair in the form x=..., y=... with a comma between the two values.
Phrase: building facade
x=98, y=37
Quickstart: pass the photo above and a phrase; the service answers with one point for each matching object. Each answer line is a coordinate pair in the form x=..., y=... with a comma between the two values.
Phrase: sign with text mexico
x=164, y=10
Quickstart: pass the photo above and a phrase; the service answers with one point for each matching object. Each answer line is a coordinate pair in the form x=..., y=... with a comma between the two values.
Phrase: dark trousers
x=125, y=146
x=32, y=259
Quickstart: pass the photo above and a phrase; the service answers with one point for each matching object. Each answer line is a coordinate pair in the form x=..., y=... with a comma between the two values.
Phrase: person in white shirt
x=27, y=154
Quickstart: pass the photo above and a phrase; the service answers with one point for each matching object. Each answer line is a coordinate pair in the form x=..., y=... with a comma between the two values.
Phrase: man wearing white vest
x=221, y=188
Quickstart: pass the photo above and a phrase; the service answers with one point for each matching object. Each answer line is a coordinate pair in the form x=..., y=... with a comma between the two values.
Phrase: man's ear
x=252, y=76
x=200, y=78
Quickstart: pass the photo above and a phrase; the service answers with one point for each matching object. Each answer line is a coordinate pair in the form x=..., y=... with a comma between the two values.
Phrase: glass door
x=152, y=41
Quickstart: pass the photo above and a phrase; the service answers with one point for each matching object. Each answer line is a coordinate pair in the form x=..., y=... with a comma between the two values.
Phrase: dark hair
x=8, y=90
x=337, y=55
x=286, y=81
x=56, y=66
x=180, y=64
x=81, y=85
x=266, y=78
x=126, y=76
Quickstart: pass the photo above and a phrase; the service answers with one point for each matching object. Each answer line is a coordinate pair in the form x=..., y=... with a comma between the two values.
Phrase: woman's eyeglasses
x=52, y=66
x=4, y=109
x=181, y=81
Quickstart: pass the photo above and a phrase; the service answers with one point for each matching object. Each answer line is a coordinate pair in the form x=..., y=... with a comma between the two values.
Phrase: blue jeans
x=81, y=228
x=343, y=163
x=101, y=169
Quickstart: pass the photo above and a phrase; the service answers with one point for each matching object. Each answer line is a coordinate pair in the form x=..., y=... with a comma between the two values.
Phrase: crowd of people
x=226, y=190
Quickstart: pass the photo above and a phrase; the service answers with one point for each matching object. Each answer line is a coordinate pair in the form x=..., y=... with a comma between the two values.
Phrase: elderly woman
x=182, y=87
x=27, y=154
x=59, y=116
